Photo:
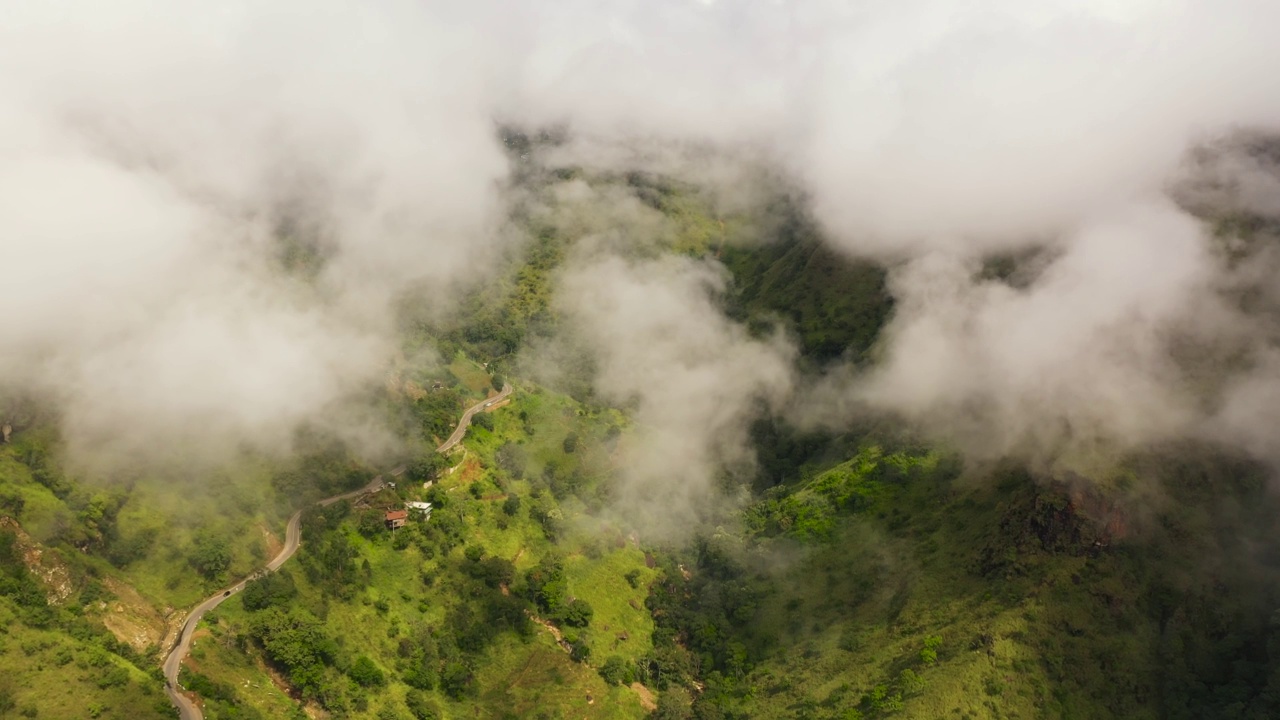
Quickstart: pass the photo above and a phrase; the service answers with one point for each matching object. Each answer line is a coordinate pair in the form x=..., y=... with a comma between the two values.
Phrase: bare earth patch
x=470, y=470
x=44, y=564
x=273, y=543
x=131, y=618
x=647, y=701
x=555, y=632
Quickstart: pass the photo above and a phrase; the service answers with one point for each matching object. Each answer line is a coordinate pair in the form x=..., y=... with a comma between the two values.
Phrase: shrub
x=929, y=655
x=456, y=680
x=421, y=706
x=115, y=676
x=910, y=682
x=616, y=671
x=12, y=502
x=882, y=701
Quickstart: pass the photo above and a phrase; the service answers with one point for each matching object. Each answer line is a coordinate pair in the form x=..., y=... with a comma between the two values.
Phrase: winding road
x=187, y=710
x=461, y=430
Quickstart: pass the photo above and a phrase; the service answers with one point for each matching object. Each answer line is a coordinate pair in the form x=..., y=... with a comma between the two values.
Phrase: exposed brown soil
x=45, y=564
x=278, y=680
x=414, y=390
x=555, y=632
x=470, y=470
x=273, y=543
x=647, y=701
x=131, y=618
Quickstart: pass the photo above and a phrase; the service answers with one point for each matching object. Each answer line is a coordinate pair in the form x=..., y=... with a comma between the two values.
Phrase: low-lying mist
x=208, y=213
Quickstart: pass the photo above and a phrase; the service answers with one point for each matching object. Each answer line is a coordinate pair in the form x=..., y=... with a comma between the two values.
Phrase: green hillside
x=505, y=603
x=865, y=575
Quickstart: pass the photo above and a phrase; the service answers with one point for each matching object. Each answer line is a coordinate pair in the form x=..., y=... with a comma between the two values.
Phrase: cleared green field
x=538, y=680
x=472, y=376
x=621, y=624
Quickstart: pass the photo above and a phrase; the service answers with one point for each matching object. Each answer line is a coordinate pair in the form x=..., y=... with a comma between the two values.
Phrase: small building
x=422, y=509
x=397, y=518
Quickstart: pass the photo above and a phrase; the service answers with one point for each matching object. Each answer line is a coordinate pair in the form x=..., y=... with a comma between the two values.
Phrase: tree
x=210, y=555
x=511, y=505
x=482, y=420
x=274, y=588
x=512, y=458
x=546, y=584
x=295, y=641
x=577, y=613
x=366, y=673
x=421, y=706
x=549, y=516
x=497, y=381
x=421, y=673
x=491, y=570
x=571, y=443
x=372, y=523
x=438, y=498
x=437, y=410
x=674, y=704
x=456, y=680
x=427, y=466
x=122, y=551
